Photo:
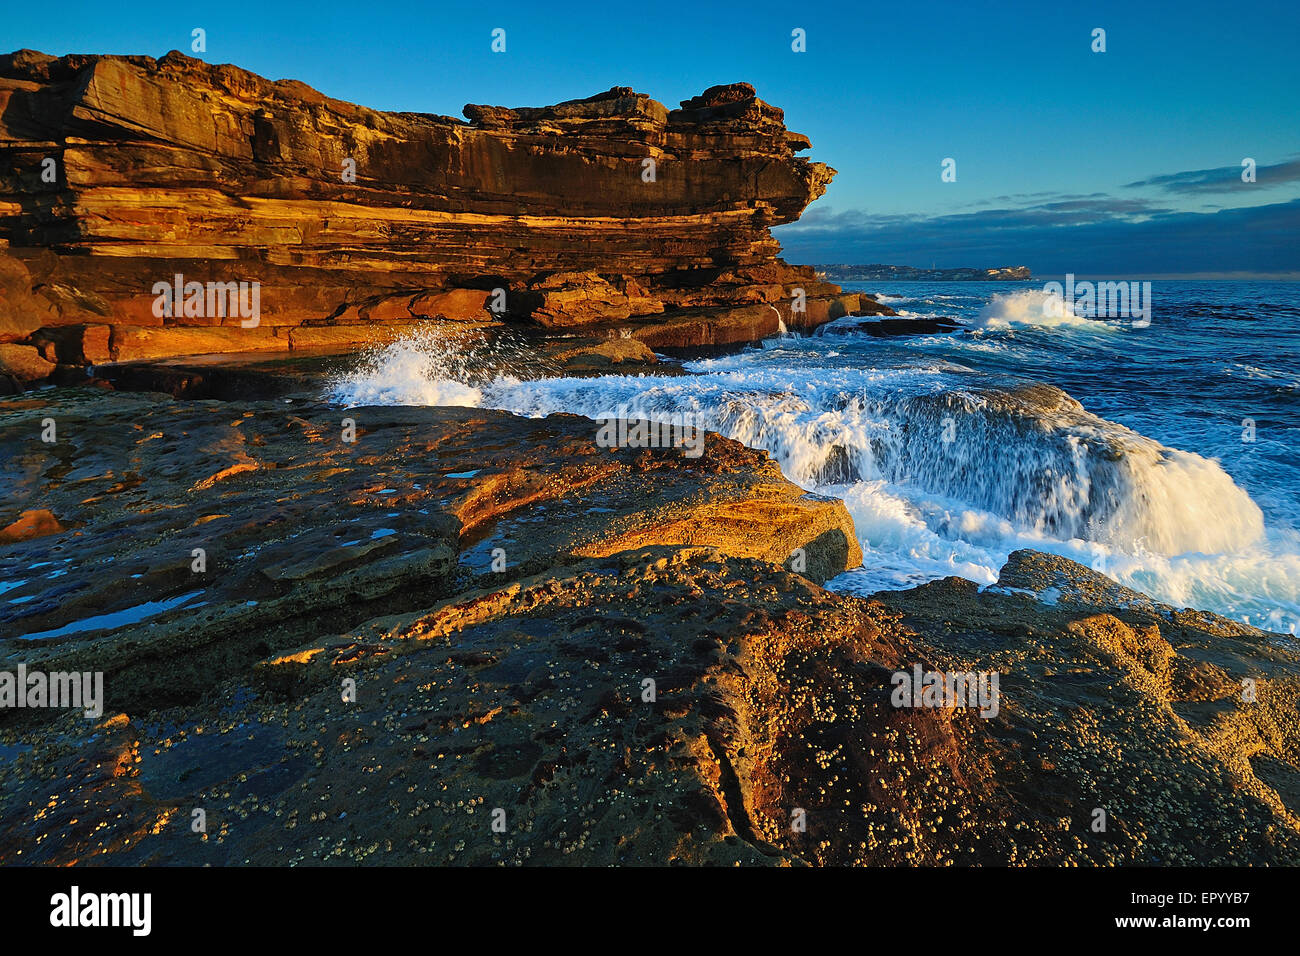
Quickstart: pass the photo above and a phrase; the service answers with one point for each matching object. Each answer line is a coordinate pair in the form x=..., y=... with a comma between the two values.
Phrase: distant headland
x=846, y=273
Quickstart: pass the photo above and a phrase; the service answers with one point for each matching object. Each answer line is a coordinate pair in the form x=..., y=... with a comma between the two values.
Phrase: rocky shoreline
x=498, y=590
x=447, y=635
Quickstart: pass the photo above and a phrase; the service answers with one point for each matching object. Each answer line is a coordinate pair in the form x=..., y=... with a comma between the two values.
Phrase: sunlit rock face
x=622, y=655
x=120, y=176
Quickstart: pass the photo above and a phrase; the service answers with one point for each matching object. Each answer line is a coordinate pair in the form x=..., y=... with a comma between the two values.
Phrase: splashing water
x=437, y=366
x=1033, y=308
x=945, y=468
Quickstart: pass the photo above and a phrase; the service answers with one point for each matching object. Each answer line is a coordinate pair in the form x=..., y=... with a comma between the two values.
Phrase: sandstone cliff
x=117, y=173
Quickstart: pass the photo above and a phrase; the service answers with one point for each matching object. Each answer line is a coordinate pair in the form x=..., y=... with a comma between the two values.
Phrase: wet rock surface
x=890, y=328
x=310, y=517
x=556, y=653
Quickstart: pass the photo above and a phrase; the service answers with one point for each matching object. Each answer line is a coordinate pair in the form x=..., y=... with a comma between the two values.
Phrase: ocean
x=1162, y=455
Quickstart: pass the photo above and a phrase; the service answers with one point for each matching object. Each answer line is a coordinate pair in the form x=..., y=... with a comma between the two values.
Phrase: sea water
x=1161, y=454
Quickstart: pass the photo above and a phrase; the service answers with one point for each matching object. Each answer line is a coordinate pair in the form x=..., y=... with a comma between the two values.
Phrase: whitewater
x=1160, y=456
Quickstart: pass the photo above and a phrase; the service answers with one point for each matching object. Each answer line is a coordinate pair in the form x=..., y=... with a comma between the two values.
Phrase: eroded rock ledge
x=120, y=172
x=522, y=690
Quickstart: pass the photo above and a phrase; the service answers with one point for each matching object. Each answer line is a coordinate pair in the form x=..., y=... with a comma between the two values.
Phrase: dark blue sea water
x=1162, y=454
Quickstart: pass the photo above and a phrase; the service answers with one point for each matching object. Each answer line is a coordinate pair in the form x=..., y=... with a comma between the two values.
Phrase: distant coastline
x=841, y=272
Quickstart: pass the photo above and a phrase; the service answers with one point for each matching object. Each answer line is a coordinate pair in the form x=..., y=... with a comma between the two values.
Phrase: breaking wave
x=942, y=471
x=1034, y=309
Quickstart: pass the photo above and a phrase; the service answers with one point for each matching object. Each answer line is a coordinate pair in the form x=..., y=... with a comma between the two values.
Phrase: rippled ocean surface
x=1163, y=456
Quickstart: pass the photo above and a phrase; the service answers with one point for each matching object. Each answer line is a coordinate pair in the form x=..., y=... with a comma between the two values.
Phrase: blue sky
x=1125, y=162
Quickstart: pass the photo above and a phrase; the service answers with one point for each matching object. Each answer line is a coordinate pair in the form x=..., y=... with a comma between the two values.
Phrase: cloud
x=1101, y=208
x=1222, y=179
x=1063, y=210
x=1058, y=213
x=1099, y=237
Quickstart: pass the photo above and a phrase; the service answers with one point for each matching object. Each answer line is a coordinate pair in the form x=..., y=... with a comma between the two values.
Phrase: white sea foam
x=416, y=370
x=1035, y=309
x=942, y=475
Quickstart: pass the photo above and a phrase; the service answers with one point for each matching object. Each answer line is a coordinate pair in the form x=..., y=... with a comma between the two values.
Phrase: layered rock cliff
x=120, y=173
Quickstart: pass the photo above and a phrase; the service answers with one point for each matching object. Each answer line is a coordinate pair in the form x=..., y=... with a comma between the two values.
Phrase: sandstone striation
x=522, y=690
x=119, y=172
